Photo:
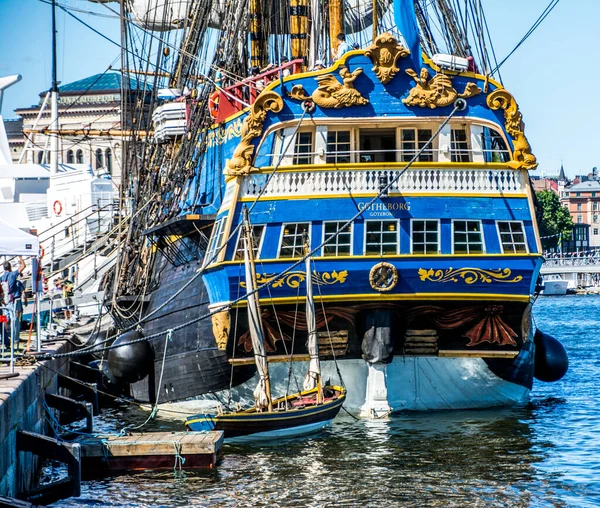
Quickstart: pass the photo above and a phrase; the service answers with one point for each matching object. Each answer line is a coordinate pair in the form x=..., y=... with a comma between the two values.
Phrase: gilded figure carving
x=220, y=327
x=514, y=125
x=241, y=162
x=436, y=92
x=293, y=279
x=385, y=52
x=469, y=275
x=330, y=93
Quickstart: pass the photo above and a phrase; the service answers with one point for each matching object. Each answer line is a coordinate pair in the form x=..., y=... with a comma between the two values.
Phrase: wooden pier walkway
x=105, y=455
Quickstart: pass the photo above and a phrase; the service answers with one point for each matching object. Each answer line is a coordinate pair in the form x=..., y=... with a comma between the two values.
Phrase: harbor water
x=546, y=453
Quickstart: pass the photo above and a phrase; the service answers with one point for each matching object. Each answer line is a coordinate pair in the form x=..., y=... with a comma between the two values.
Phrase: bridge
x=573, y=264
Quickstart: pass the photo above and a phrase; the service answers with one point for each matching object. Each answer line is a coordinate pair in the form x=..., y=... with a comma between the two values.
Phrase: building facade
x=583, y=203
x=89, y=123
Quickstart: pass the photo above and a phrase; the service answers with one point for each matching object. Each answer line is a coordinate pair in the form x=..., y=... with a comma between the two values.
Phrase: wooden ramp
x=105, y=455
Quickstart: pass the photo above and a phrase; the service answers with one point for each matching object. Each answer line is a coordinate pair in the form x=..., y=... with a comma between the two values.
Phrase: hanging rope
x=549, y=8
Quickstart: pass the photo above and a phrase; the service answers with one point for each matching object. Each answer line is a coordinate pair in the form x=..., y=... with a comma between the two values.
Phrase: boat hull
x=269, y=425
x=193, y=365
x=418, y=383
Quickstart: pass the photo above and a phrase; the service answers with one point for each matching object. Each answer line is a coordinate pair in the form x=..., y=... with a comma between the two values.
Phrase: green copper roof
x=107, y=82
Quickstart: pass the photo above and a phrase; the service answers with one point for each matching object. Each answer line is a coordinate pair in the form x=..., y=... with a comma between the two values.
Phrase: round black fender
x=132, y=361
x=551, y=360
x=99, y=340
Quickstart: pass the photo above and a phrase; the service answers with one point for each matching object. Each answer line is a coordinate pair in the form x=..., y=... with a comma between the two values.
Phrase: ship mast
x=257, y=37
x=375, y=20
x=336, y=23
x=299, y=28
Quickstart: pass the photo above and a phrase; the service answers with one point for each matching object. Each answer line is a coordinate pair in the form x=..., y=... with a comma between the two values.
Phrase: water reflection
x=546, y=453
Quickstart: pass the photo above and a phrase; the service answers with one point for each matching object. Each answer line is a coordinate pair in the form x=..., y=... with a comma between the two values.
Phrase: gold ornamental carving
x=330, y=93
x=513, y=123
x=383, y=277
x=469, y=275
x=220, y=326
x=219, y=135
x=436, y=92
x=241, y=162
x=293, y=279
x=385, y=52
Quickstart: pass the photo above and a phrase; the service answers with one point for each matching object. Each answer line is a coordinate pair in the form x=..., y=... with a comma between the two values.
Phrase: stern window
x=256, y=234
x=292, y=243
x=512, y=237
x=377, y=145
x=412, y=141
x=303, y=149
x=425, y=236
x=341, y=244
x=381, y=237
x=214, y=243
x=460, y=146
x=338, y=147
x=467, y=237
x=494, y=146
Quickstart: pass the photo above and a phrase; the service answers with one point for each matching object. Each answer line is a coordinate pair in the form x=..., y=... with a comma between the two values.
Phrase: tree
x=555, y=219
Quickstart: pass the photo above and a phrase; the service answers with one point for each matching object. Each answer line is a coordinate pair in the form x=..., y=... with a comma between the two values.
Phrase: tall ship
x=398, y=165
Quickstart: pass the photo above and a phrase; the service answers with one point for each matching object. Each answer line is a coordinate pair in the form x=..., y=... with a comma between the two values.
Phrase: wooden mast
x=299, y=28
x=254, y=314
x=336, y=24
x=258, y=51
x=375, y=20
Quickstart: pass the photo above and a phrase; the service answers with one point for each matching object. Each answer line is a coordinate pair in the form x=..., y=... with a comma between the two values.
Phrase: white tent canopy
x=14, y=242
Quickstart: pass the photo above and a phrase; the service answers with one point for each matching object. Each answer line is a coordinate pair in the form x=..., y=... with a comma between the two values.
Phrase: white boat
x=554, y=285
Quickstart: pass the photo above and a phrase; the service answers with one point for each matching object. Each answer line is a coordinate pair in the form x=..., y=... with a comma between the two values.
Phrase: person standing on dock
x=12, y=291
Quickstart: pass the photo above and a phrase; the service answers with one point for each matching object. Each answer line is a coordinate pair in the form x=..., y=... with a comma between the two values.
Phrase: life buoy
x=213, y=104
x=57, y=207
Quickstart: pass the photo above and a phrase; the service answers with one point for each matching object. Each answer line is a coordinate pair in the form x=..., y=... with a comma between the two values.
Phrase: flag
x=406, y=21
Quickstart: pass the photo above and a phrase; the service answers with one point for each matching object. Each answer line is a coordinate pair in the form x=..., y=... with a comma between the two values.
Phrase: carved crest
x=513, y=123
x=220, y=327
x=241, y=162
x=384, y=52
x=436, y=92
x=383, y=277
x=330, y=93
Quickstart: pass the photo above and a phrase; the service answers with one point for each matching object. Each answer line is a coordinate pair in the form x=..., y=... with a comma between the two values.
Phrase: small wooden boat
x=294, y=415
x=302, y=413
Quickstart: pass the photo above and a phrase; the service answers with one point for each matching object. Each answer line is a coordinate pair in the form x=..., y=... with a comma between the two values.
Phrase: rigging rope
x=549, y=8
x=383, y=191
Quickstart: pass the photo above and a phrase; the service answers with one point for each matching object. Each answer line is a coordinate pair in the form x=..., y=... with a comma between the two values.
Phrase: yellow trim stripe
x=376, y=257
x=360, y=166
x=379, y=297
x=292, y=197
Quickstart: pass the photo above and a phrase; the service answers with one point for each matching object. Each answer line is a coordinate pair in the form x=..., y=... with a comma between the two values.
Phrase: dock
x=106, y=455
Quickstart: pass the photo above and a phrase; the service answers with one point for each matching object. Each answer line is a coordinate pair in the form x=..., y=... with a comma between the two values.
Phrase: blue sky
x=554, y=75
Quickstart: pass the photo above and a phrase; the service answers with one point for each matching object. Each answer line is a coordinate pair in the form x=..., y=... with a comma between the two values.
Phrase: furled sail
x=157, y=15
x=262, y=396
x=311, y=380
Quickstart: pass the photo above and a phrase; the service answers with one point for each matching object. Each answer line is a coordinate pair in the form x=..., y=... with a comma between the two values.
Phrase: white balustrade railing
x=469, y=181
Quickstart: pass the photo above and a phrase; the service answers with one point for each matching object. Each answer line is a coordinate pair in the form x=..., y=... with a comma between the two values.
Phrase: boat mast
x=336, y=24
x=313, y=376
x=54, y=100
x=299, y=28
x=262, y=393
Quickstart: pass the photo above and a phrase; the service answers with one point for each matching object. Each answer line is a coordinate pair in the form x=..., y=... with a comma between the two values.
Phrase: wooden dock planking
x=104, y=455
